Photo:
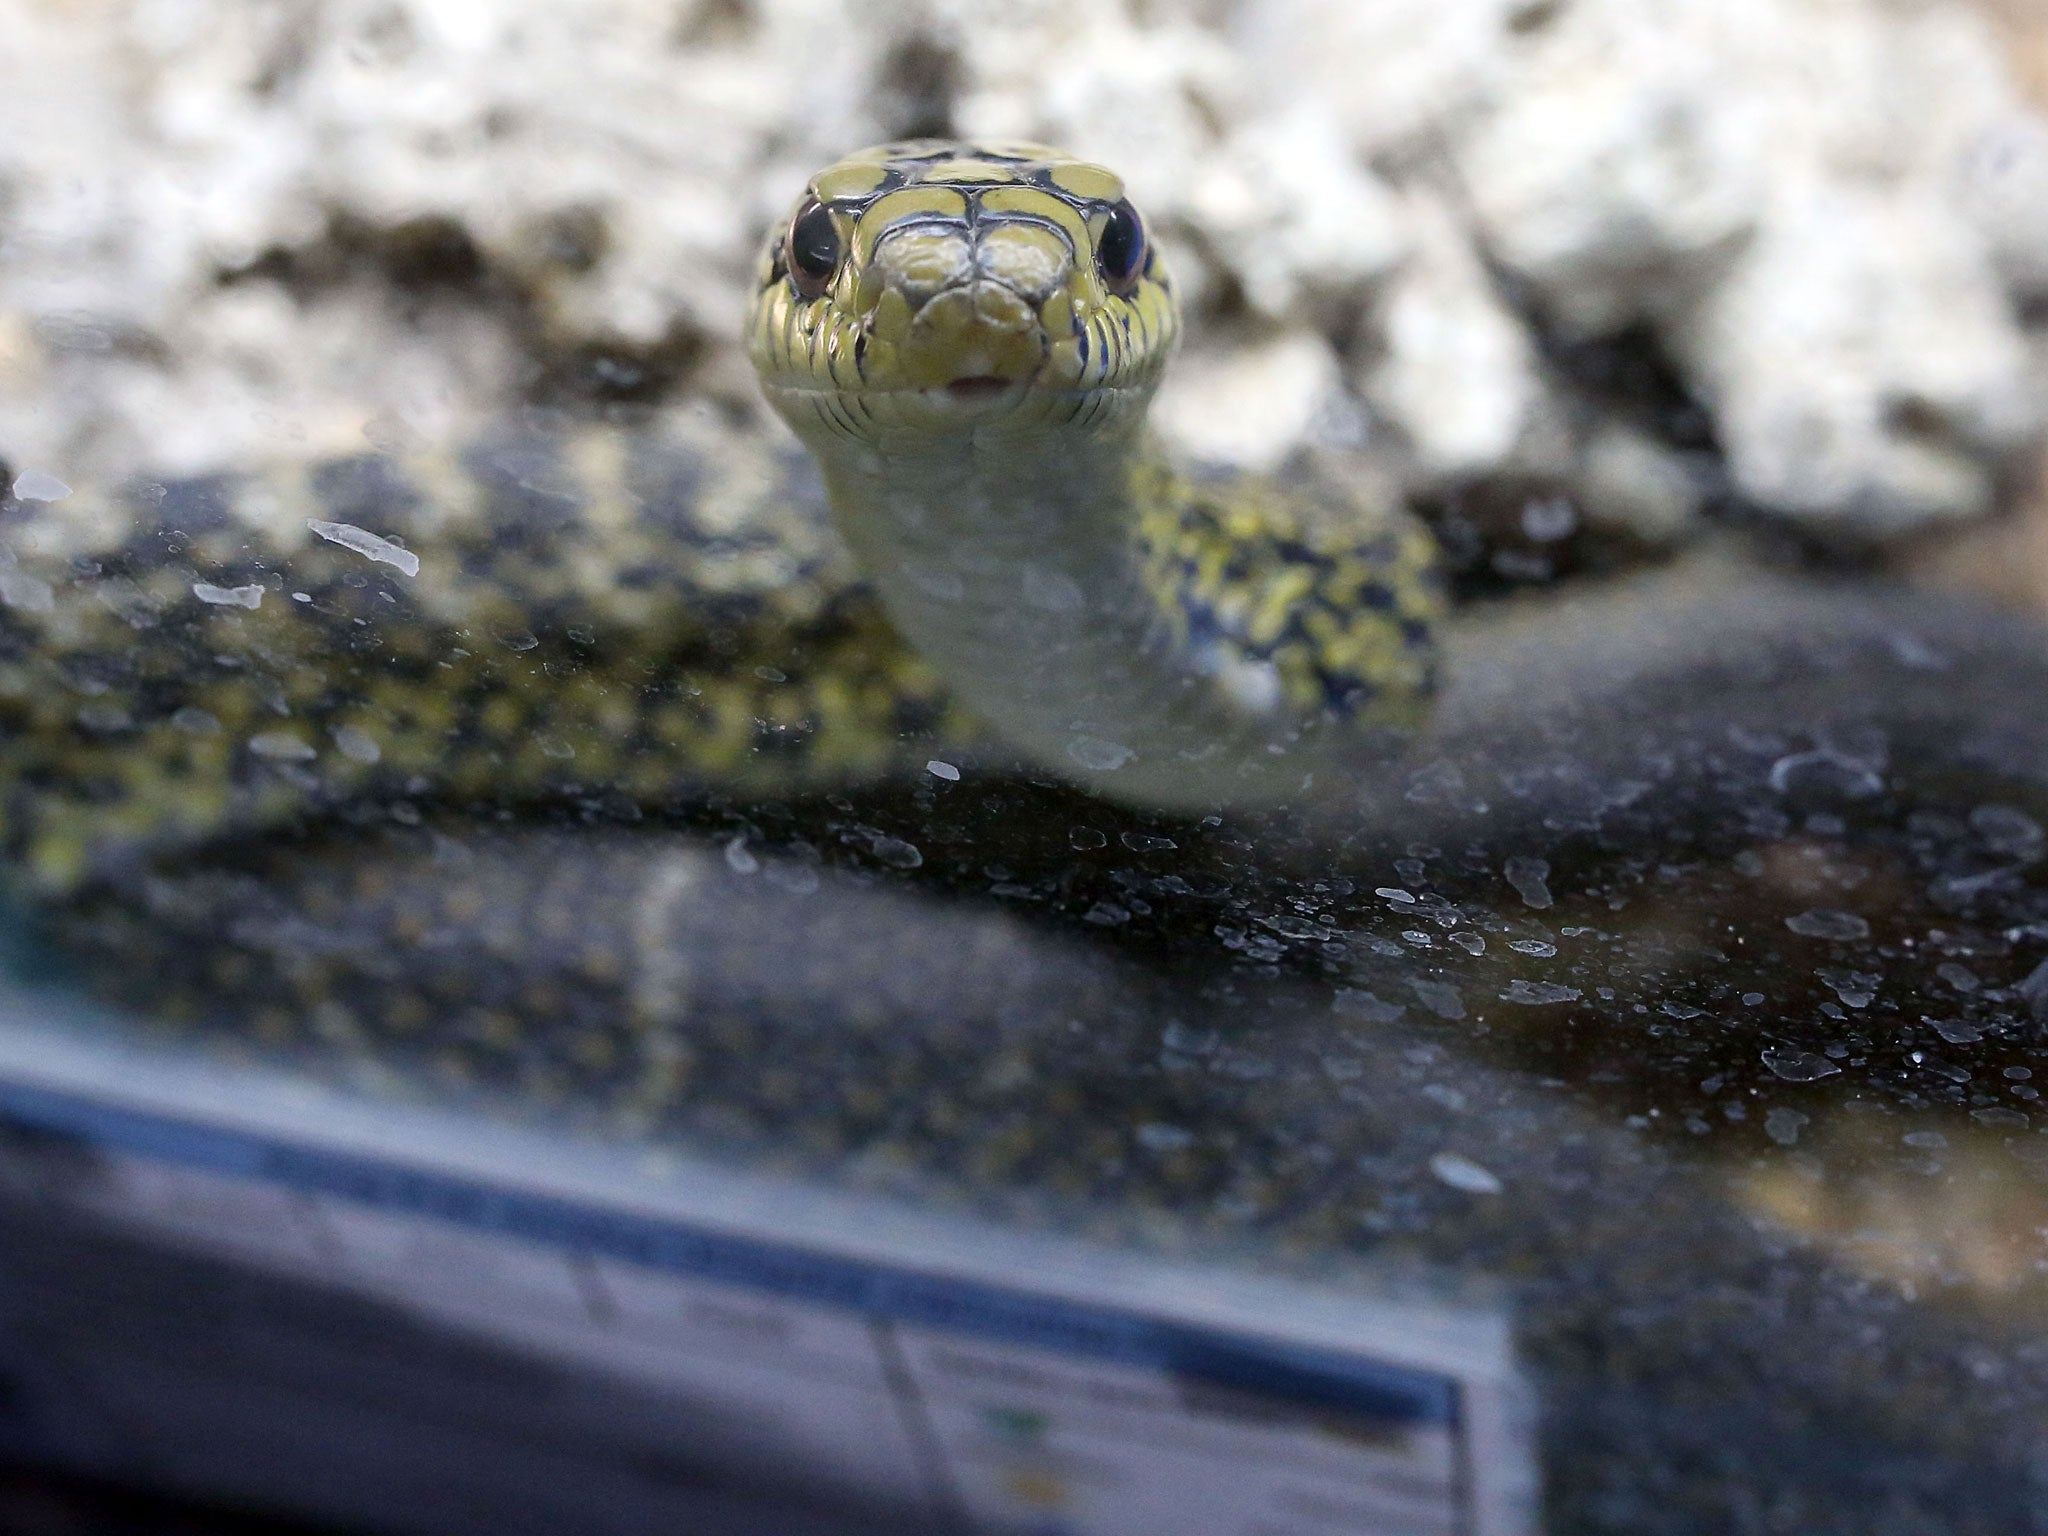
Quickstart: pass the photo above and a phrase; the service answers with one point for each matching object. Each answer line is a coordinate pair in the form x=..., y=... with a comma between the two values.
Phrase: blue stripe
x=1298, y=1374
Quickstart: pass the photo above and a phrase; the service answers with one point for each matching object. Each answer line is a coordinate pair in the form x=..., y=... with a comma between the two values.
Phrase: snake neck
x=1026, y=567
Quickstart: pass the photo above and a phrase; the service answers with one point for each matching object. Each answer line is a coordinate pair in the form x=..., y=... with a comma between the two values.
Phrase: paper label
x=1011, y=1404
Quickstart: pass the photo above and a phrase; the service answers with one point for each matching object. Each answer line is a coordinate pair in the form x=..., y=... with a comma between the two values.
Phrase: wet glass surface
x=1677, y=983
x=1706, y=1024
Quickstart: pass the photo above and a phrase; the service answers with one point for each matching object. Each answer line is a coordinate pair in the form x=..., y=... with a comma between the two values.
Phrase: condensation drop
x=1823, y=923
x=1530, y=878
x=35, y=485
x=1462, y=1173
x=250, y=596
x=364, y=542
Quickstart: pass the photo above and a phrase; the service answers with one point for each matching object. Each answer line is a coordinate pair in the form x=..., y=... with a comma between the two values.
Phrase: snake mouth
x=980, y=386
x=977, y=395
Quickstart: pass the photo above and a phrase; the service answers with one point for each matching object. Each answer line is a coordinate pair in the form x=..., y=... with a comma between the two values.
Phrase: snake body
x=964, y=336
x=967, y=337
x=624, y=617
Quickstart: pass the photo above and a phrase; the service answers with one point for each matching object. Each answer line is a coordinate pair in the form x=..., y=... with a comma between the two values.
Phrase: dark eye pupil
x=814, y=244
x=1121, y=251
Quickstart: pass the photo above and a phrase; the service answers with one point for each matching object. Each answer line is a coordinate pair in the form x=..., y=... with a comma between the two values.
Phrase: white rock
x=1294, y=217
x=1621, y=167
x=1394, y=72
x=1628, y=481
x=1249, y=405
x=1670, y=166
x=2004, y=191
x=1864, y=371
x=1450, y=366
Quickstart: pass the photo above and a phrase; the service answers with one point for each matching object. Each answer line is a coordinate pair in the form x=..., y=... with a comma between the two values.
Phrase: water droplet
x=282, y=747
x=797, y=879
x=1823, y=923
x=1439, y=997
x=1782, y=1126
x=895, y=852
x=1155, y=1136
x=357, y=746
x=1530, y=879
x=1798, y=1066
x=1960, y=977
x=1366, y=1006
x=31, y=594
x=1097, y=755
x=250, y=596
x=364, y=542
x=1462, y=1173
x=1538, y=992
x=35, y=485
x=1830, y=769
x=2008, y=830
x=1052, y=591
x=104, y=717
x=1856, y=989
x=1549, y=519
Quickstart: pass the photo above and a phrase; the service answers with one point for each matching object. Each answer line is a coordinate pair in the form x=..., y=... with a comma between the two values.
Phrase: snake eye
x=813, y=249
x=1120, y=252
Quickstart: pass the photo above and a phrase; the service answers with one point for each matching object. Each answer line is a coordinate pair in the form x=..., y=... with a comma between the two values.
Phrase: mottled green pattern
x=628, y=618
x=1339, y=605
x=624, y=620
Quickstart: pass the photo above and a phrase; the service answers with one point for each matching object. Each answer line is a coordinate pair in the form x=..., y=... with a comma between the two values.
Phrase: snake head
x=933, y=286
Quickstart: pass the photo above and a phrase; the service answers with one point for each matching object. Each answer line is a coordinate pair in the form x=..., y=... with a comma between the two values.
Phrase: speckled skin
x=624, y=620
x=628, y=618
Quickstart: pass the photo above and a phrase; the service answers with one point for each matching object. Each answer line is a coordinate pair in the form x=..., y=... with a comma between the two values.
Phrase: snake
x=973, y=546
x=487, y=666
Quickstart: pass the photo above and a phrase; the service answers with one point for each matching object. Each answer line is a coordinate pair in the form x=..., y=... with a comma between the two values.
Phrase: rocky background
x=1590, y=274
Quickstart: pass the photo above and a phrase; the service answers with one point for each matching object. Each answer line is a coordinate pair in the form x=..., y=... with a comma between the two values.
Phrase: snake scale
x=965, y=336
